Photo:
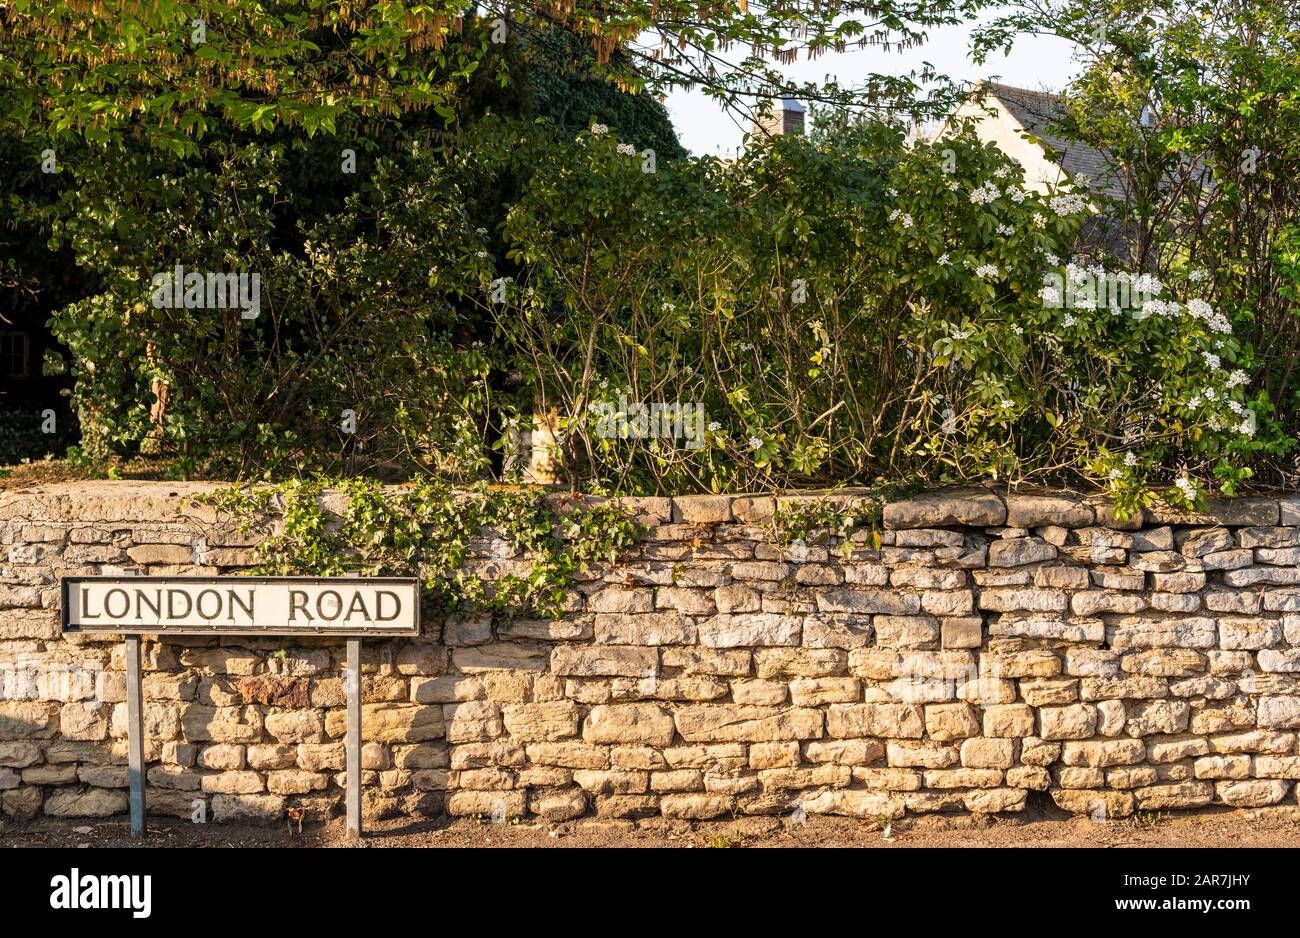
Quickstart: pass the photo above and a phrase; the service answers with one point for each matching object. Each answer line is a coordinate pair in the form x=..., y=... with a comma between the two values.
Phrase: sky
x=1039, y=63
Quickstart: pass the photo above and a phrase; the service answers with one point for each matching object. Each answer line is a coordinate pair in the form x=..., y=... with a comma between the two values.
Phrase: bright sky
x=1039, y=63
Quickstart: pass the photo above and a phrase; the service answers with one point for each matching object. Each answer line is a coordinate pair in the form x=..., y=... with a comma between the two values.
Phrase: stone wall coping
x=967, y=506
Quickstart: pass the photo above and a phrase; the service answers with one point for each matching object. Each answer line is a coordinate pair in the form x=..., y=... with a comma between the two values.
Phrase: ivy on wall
x=818, y=521
x=333, y=527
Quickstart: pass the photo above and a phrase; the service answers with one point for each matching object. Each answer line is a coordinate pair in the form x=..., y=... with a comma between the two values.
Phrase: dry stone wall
x=993, y=647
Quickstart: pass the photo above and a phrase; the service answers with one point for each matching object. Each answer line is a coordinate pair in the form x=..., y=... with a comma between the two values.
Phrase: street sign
x=242, y=606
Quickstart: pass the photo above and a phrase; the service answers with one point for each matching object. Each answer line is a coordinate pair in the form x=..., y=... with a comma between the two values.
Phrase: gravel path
x=1269, y=827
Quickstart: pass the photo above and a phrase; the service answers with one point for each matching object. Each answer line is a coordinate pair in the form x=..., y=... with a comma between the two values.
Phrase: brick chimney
x=785, y=117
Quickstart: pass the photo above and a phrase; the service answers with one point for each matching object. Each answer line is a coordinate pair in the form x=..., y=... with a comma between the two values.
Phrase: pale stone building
x=1019, y=121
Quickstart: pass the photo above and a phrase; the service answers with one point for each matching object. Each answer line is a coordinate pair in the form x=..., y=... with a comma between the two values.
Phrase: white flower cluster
x=1092, y=287
x=985, y=194
x=1162, y=308
x=626, y=149
x=900, y=216
x=987, y=271
x=1146, y=284
x=1246, y=422
x=1199, y=309
x=1083, y=302
x=1068, y=203
x=1080, y=276
x=1187, y=487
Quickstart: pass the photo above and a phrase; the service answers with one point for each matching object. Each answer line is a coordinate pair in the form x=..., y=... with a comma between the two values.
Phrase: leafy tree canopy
x=169, y=69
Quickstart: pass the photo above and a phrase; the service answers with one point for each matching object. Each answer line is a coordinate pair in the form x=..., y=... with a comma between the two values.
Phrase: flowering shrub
x=847, y=309
x=1194, y=106
x=1127, y=386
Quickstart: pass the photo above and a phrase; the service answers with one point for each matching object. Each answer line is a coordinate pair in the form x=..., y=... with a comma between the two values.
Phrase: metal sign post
x=135, y=734
x=352, y=608
x=353, y=758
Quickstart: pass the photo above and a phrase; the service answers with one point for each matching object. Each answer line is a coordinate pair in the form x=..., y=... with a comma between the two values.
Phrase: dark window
x=14, y=354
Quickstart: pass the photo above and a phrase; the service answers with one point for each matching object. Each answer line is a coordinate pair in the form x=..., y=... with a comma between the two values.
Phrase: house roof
x=1036, y=112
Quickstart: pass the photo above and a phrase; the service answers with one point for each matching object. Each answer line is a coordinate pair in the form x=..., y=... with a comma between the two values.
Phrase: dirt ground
x=1269, y=827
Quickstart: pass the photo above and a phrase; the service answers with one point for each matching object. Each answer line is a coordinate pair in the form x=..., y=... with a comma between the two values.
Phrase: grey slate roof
x=1036, y=111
